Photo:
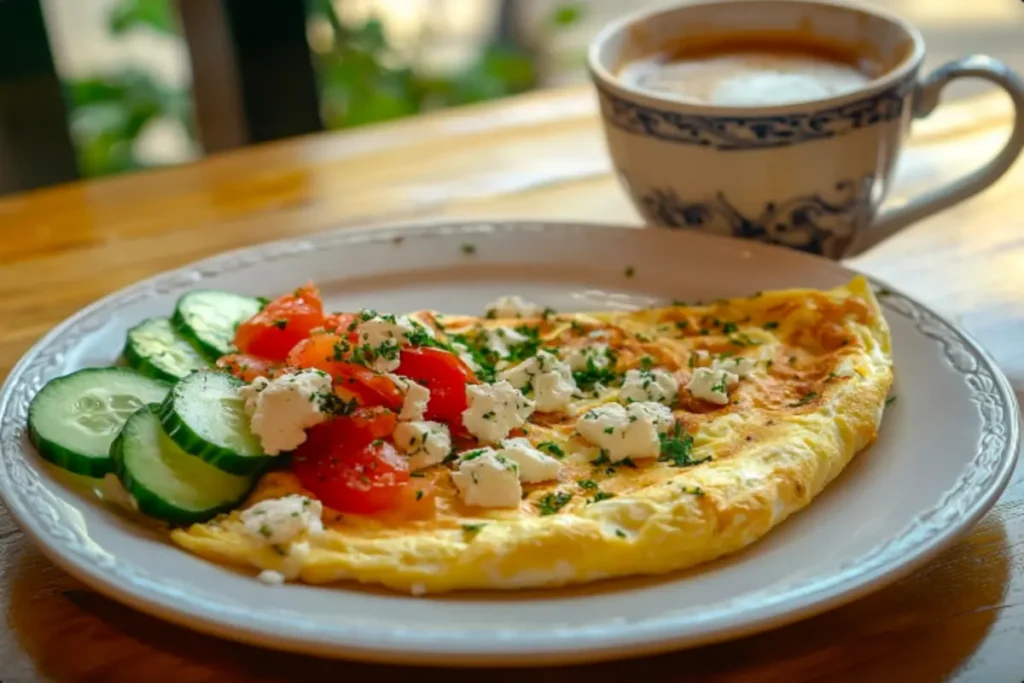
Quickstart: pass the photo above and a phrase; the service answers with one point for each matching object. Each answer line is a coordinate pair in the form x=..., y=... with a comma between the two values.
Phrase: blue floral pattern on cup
x=732, y=133
x=813, y=223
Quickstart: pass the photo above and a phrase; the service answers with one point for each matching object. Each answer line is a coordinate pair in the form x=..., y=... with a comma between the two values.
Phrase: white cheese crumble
x=277, y=521
x=549, y=378
x=384, y=335
x=581, y=357
x=712, y=384
x=282, y=409
x=500, y=340
x=426, y=443
x=534, y=466
x=513, y=307
x=271, y=577
x=466, y=357
x=649, y=385
x=416, y=397
x=487, y=479
x=495, y=410
x=626, y=432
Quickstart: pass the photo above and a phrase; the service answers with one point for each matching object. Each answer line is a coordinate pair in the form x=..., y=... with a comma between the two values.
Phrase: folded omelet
x=818, y=370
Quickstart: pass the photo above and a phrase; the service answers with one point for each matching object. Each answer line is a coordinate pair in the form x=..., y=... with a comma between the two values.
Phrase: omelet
x=816, y=371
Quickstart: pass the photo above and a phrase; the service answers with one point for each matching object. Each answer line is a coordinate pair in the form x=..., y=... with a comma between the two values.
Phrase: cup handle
x=926, y=99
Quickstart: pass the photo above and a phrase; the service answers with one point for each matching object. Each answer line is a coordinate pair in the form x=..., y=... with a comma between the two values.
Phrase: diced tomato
x=340, y=323
x=248, y=368
x=282, y=324
x=445, y=375
x=347, y=464
x=359, y=381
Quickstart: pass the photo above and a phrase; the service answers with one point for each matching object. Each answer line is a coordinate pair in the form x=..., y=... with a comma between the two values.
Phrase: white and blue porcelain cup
x=810, y=176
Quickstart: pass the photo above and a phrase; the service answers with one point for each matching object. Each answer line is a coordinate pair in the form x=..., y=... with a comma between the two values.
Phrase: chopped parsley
x=883, y=292
x=620, y=533
x=694, y=490
x=334, y=405
x=587, y=484
x=729, y=328
x=646, y=363
x=553, y=502
x=471, y=530
x=280, y=323
x=592, y=375
x=419, y=494
x=601, y=495
x=681, y=324
x=805, y=399
x=677, y=448
x=552, y=448
x=889, y=400
x=630, y=271
x=473, y=455
x=263, y=301
x=417, y=475
x=468, y=249
x=266, y=531
x=770, y=325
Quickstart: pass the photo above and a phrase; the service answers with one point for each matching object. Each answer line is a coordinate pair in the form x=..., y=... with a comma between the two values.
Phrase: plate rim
x=551, y=647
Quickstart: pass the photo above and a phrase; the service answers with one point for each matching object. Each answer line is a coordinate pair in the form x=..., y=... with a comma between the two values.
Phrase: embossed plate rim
x=21, y=481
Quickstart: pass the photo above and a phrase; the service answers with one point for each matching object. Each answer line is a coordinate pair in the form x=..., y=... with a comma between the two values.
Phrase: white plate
x=946, y=450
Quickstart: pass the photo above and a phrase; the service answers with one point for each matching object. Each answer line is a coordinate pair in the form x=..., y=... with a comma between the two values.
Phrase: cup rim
x=605, y=78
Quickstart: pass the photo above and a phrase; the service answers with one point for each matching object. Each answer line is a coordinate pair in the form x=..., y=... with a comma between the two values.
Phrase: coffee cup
x=777, y=120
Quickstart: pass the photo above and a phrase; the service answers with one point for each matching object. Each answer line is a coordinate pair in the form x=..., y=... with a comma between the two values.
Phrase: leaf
x=567, y=14
x=128, y=15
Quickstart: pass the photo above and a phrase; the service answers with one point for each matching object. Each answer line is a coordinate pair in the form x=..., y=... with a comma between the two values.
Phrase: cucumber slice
x=73, y=419
x=205, y=416
x=156, y=349
x=168, y=483
x=209, y=318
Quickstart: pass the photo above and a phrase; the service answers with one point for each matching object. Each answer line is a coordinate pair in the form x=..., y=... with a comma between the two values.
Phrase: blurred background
x=147, y=83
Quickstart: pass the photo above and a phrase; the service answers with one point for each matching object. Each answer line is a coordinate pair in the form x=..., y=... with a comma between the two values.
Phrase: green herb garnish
x=552, y=448
x=553, y=502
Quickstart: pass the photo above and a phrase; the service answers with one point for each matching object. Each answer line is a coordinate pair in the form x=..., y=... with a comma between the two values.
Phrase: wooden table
x=540, y=156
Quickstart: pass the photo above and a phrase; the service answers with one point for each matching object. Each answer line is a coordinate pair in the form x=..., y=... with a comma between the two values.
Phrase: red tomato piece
x=342, y=324
x=248, y=368
x=349, y=467
x=350, y=379
x=445, y=375
x=282, y=324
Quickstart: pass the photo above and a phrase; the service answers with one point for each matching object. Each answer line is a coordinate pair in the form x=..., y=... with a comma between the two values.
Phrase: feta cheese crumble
x=626, y=431
x=712, y=384
x=534, y=466
x=426, y=443
x=277, y=521
x=495, y=410
x=513, y=307
x=649, y=385
x=416, y=397
x=500, y=340
x=381, y=338
x=282, y=409
x=580, y=358
x=271, y=577
x=549, y=378
x=487, y=479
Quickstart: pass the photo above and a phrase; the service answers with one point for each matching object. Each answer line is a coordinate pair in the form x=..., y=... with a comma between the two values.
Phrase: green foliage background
x=362, y=80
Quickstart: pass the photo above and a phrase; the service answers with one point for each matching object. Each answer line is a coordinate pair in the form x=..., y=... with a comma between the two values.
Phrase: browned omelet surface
x=822, y=371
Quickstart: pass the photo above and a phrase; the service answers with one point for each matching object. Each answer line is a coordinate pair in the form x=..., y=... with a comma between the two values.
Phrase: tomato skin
x=349, y=467
x=284, y=322
x=247, y=368
x=340, y=324
x=368, y=387
x=445, y=375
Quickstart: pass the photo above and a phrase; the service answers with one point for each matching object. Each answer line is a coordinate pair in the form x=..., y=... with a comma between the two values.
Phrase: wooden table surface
x=539, y=156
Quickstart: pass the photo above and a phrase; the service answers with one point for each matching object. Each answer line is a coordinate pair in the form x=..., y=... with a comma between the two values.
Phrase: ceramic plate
x=946, y=449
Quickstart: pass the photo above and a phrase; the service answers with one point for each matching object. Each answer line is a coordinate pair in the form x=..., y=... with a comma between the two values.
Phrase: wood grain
x=537, y=156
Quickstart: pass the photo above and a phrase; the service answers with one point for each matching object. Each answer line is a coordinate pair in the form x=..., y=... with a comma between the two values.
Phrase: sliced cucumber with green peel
x=168, y=483
x=73, y=419
x=206, y=417
x=209, y=318
x=156, y=349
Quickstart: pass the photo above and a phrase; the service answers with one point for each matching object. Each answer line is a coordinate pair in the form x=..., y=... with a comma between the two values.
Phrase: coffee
x=751, y=71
